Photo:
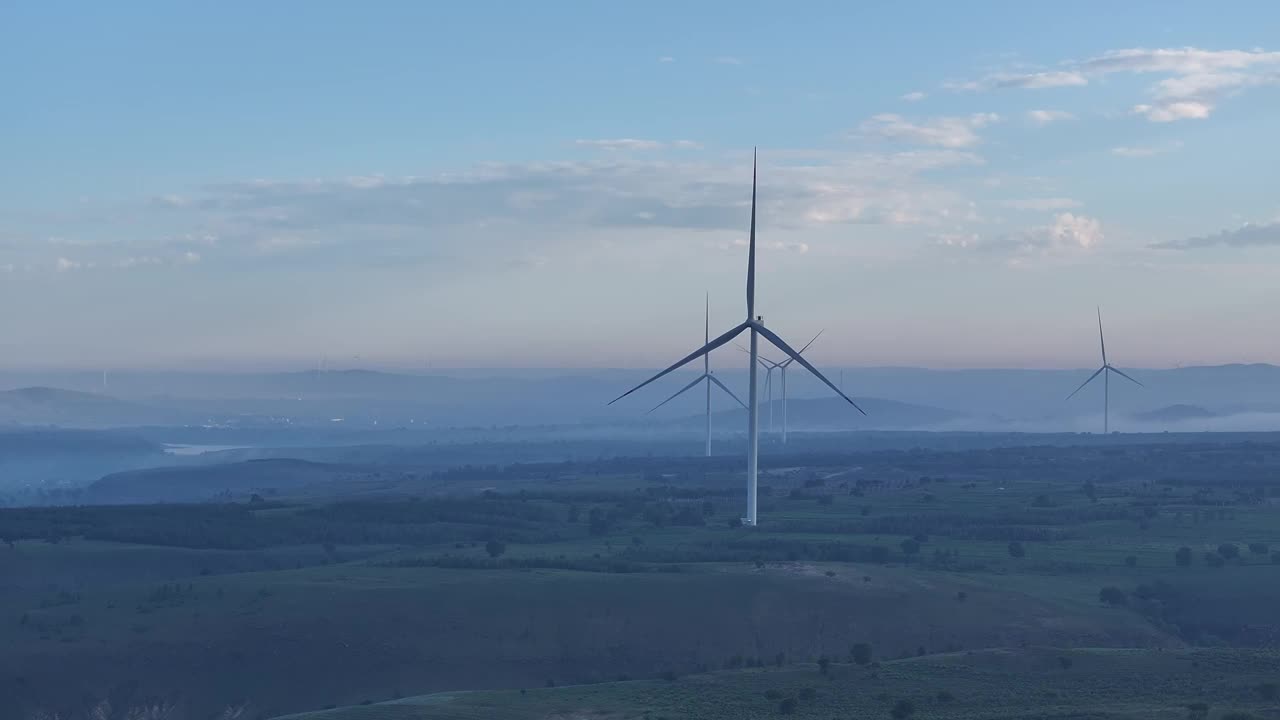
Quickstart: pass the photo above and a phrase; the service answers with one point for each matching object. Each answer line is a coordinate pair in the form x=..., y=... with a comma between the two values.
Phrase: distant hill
x=72, y=408
x=833, y=414
x=202, y=483
x=1175, y=413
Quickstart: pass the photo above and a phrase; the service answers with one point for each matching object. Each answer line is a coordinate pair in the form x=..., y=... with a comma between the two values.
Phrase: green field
x=969, y=574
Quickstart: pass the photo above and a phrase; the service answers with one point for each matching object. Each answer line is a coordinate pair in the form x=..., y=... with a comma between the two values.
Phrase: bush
x=1182, y=558
x=903, y=709
x=772, y=694
x=1016, y=550
x=1197, y=711
x=1065, y=662
x=824, y=664
x=826, y=500
x=1259, y=548
x=787, y=706
x=1131, y=561
x=1229, y=551
x=861, y=653
x=945, y=696
x=1113, y=596
x=1237, y=715
x=1268, y=691
x=1275, y=558
x=495, y=548
x=910, y=546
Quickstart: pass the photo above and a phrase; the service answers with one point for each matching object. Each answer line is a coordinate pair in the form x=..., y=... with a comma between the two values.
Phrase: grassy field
x=1028, y=683
x=967, y=566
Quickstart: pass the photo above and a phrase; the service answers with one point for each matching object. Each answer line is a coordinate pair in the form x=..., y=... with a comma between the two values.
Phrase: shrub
x=495, y=548
x=1113, y=596
x=903, y=709
x=861, y=653
x=1182, y=558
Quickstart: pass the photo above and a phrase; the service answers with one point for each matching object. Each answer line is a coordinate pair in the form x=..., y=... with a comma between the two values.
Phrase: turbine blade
x=1101, y=340
x=706, y=337
x=1126, y=377
x=680, y=392
x=733, y=333
x=806, y=347
x=1086, y=382
x=722, y=386
x=784, y=347
x=751, y=254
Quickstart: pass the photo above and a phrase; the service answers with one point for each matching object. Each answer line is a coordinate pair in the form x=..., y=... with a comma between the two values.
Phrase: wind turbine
x=768, y=387
x=1105, y=371
x=755, y=324
x=784, y=386
x=769, y=366
x=708, y=377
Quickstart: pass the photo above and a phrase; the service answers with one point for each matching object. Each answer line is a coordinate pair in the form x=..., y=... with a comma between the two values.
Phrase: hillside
x=230, y=481
x=70, y=408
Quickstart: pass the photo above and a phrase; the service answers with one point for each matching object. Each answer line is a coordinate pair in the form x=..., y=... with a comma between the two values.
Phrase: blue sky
x=240, y=185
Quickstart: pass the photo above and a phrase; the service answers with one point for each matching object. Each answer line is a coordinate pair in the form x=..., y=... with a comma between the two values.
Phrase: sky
x=244, y=185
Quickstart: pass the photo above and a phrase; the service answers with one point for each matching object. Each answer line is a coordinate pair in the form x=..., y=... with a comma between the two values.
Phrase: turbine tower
x=708, y=377
x=754, y=324
x=1105, y=371
x=769, y=366
x=781, y=367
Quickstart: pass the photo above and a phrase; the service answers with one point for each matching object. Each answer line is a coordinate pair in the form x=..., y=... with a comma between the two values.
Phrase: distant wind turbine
x=755, y=325
x=782, y=370
x=705, y=376
x=1105, y=371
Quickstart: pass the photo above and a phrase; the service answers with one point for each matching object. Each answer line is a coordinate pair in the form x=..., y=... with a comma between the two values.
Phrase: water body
x=188, y=450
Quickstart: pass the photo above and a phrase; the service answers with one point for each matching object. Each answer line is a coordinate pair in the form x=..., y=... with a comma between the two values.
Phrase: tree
x=1213, y=559
x=824, y=664
x=1275, y=558
x=1113, y=596
x=910, y=546
x=787, y=706
x=708, y=507
x=879, y=554
x=1016, y=550
x=1091, y=491
x=1197, y=711
x=735, y=522
x=495, y=548
x=903, y=709
x=861, y=653
x=1229, y=551
x=1258, y=548
x=1065, y=662
x=574, y=513
x=1182, y=558
x=1268, y=691
x=1131, y=561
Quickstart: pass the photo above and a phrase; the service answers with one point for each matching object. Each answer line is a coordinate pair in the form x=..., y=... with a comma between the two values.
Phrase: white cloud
x=1171, y=111
x=728, y=60
x=666, y=59
x=622, y=144
x=1042, y=204
x=1142, y=151
x=63, y=265
x=1046, y=117
x=636, y=144
x=188, y=258
x=916, y=96
x=948, y=132
x=1039, y=80
x=1075, y=231
x=131, y=262
x=1199, y=79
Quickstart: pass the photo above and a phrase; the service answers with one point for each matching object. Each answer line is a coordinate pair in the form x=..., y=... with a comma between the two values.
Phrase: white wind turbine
x=1105, y=371
x=705, y=376
x=781, y=367
x=754, y=324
